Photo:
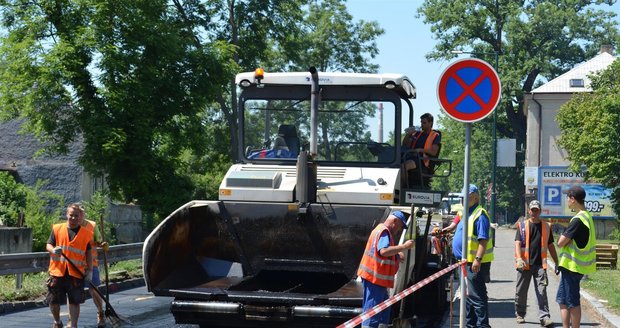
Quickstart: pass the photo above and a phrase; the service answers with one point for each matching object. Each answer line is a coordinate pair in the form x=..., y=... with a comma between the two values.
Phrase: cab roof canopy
x=391, y=81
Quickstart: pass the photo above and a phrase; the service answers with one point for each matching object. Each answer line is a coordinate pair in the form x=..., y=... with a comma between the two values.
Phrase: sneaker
x=546, y=322
x=520, y=319
x=100, y=320
x=57, y=325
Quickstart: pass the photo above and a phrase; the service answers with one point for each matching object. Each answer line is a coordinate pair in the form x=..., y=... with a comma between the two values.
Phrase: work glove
x=104, y=245
x=520, y=264
x=57, y=250
x=557, y=270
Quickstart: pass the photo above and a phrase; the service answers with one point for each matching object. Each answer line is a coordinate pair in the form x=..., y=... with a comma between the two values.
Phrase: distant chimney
x=608, y=48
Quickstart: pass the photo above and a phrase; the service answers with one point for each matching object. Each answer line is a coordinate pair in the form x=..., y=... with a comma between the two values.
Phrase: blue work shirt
x=481, y=229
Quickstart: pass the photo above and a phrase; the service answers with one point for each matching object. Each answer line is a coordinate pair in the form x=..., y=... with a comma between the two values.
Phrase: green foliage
x=34, y=203
x=453, y=147
x=142, y=83
x=96, y=209
x=566, y=33
x=591, y=133
x=603, y=284
x=331, y=41
x=12, y=199
x=130, y=78
x=615, y=234
x=33, y=287
x=38, y=218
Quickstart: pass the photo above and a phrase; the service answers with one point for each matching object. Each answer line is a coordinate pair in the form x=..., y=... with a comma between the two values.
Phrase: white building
x=546, y=162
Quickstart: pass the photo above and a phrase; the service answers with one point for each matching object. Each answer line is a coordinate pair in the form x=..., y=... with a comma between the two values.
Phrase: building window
x=576, y=83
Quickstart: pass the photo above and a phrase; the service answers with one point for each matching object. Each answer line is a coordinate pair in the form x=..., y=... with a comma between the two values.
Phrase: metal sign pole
x=465, y=220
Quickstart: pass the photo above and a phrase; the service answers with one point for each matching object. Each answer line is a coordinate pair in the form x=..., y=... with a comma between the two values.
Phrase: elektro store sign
x=553, y=180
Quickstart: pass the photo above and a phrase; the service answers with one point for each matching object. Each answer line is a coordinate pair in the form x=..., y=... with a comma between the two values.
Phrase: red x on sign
x=469, y=90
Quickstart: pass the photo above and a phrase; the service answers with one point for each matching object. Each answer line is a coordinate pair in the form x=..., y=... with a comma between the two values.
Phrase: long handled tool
x=105, y=264
x=116, y=319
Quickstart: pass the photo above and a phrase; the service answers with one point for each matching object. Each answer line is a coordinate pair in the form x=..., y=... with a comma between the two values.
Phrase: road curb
x=610, y=319
x=12, y=307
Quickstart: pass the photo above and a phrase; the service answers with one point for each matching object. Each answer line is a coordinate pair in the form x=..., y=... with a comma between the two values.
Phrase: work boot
x=57, y=325
x=520, y=319
x=546, y=322
x=100, y=320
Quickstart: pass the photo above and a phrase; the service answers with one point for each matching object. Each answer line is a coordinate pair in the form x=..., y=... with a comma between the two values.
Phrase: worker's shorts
x=568, y=290
x=59, y=288
x=96, y=277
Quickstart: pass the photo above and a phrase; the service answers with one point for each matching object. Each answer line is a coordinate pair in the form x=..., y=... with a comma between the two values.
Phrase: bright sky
x=405, y=43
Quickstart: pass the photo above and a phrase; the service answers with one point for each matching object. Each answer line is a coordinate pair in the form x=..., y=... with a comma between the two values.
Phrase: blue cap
x=401, y=216
x=473, y=189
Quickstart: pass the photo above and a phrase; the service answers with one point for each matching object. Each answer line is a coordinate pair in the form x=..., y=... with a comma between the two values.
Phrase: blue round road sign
x=469, y=90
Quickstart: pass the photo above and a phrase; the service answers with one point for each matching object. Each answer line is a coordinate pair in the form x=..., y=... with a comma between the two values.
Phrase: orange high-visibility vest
x=75, y=250
x=377, y=269
x=427, y=144
x=92, y=225
x=525, y=249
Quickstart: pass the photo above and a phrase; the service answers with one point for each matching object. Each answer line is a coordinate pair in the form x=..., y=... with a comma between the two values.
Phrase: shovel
x=115, y=319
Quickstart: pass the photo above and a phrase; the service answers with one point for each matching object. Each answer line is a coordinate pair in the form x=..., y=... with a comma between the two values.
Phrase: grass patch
x=34, y=288
x=603, y=284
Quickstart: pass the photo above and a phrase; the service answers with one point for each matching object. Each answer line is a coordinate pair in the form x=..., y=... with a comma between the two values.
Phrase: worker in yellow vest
x=479, y=256
x=577, y=256
x=533, y=241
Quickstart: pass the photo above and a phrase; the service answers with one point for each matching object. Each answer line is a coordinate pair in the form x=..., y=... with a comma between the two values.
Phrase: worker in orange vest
x=532, y=242
x=380, y=263
x=65, y=280
x=423, y=143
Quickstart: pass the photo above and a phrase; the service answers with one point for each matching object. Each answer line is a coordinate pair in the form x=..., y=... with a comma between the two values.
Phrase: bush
x=38, y=218
x=12, y=199
x=615, y=234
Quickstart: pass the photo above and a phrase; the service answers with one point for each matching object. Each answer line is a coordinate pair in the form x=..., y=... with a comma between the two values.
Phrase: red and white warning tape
x=389, y=302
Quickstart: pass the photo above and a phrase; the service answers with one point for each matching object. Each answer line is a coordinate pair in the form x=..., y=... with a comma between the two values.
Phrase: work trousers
x=524, y=277
x=477, y=304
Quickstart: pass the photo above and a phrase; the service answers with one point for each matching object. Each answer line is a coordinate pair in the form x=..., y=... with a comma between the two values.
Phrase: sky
x=403, y=46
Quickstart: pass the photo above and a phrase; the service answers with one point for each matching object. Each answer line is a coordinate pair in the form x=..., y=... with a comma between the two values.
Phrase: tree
x=148, y=86
x=534, y=39
x=126, y=77
x=281, y=35
x=591, y=133
x=12, y=199
x=453, y=145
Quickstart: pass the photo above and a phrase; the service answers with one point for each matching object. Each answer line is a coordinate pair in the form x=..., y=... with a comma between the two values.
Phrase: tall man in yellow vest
x=532, y=242
x=479, y=256
x=577, y=257
x=380, y=263
x=422, y=143
x=70, y=239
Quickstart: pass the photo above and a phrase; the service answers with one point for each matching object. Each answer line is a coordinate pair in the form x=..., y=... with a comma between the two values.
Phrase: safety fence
x=392, y=300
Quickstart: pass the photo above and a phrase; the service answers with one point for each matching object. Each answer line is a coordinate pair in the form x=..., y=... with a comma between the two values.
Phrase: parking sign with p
x=552, y=195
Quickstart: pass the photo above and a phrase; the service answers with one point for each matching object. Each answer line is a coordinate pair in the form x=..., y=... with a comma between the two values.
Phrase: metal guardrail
x=38, y=262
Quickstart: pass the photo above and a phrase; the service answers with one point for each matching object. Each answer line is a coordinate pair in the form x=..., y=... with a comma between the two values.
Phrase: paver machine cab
x=320, y=167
